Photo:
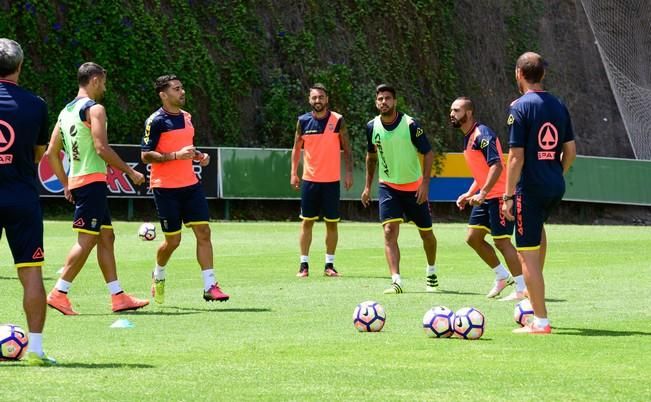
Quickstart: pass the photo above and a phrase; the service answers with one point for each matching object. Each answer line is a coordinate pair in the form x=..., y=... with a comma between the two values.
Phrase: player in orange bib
x=322, y=135
x=168, y=144
x=483, y=154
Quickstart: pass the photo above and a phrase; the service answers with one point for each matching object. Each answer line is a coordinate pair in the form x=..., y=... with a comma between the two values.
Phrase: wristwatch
x=508, y=197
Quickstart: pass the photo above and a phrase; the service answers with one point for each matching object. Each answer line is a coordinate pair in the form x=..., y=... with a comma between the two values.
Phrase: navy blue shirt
x=540, y=123
x=309, y=125
x=23, y=125
x=420, y=141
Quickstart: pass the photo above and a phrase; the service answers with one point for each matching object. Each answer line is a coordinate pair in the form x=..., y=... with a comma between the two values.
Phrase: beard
x=389, y=112
x=458, y=123
x=318, y=107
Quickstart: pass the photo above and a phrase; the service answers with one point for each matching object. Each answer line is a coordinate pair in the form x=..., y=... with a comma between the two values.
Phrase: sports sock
x=208, y=278
x=35, y=343
x=500, y=272
x=329, y=258
x=114, y=287
x=159, y=273
x=540, y=322
x=63, y=286
x=430, y=270
x=395, y=278
x=305, y=258
x=519, y=283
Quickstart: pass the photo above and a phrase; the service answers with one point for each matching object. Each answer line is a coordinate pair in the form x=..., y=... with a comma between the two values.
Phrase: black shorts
x=531, y=212
x=401, y=206
x=183, y=205
x=24, y=226
x=91, y=208
x=489, y=217
x=320, y=199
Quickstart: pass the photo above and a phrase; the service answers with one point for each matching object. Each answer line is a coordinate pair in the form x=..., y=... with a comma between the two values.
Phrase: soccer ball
x=469, y=323
x=147, y=231
x=523, y=312
x=369, y=316
x=13, y=342
x=438, y=322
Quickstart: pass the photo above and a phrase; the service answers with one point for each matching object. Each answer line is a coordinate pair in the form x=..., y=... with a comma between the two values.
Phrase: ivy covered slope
x=246, y=65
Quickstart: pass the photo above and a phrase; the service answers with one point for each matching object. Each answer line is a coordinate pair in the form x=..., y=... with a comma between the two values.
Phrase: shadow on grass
x=596, y=332
x=224, y=310
x=344, y=275
x=21, y=364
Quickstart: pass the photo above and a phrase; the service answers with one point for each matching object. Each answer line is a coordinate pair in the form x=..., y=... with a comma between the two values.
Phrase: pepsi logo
x=46, y=173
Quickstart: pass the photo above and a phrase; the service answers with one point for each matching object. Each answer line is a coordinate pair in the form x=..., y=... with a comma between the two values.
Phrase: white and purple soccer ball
x=523, y=312
x=469, y=323
x=147, y=231
x=369, y=316
x=438, y=322
x=13, y=342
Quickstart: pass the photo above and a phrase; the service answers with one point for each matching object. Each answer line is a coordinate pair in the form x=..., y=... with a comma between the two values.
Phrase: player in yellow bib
x=81, y=132
x=396, y=144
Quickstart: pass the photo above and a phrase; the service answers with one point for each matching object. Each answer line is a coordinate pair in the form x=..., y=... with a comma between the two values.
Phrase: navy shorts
x=24, y=226
x=320, y=199
x=91, y=208
x=531, y=212
x=183, y=205
x=489, y=217
x=401, y=206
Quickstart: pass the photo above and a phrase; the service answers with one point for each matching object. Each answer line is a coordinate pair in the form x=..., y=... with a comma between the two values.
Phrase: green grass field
x=281, y=338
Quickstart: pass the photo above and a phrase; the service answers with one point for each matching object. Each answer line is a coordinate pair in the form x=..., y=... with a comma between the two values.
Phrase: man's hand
x=186, y=152
x=422, y=194
x=136, y=177
x=348, y=180
x=478, y=198
x=295, y=182
x=68, y=194
x=366, y=197
x=462, y=200
x=507, y=210
x=202, y=158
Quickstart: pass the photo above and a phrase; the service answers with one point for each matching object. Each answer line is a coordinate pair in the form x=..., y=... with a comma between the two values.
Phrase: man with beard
x=398, y=142
x=168, y=144
x=322, y=134
x=542, y=150
x=81, y=132
x=483, y=154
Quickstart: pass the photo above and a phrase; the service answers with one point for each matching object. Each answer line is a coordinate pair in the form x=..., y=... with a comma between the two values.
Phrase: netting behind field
x=622, y=29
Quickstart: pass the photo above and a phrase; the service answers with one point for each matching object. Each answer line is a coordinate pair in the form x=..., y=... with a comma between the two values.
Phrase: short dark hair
x=319, y=86
x=532, y=67
x=11, y=55
x=87, y=71
x=163, y=82
x=385, y=88
x=468, y=104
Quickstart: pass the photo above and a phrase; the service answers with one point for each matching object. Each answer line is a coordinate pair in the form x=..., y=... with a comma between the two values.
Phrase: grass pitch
x=283, y=338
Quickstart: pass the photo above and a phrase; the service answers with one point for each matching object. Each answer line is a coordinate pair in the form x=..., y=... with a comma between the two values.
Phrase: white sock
x=114, y=287
x=519, y=283
x=208, y=278
x=430, y=270
x=35, y=343
x=159, y=273
x=540, y=322
x=330, y=259
x=305, y=258
x=63, y=286
x=500, y=272
x=395, y=278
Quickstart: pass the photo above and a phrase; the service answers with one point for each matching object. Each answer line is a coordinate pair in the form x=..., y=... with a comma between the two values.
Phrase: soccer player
x=23, y=136
x=483, y=154
x=168, y=145
x=398, y=142
x=542, y=149
x=81, y=132
x=322, y=134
